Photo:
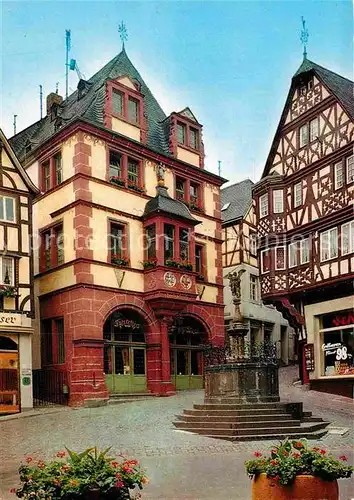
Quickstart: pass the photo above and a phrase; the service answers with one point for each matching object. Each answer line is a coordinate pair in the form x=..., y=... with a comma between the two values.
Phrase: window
x=150, y=233
x=293, y=254
x=60, y=245
x=199, y=261
x=278, y=203
x=133, y=110
x=59, y=327
x=115, y=164
x=350, y=169
x=305, y=251
x=117, y=233
x=265, y=260
x=7, y=271
x=46, y=342
x=52, y=254
x=183, y=244
x=347, y=238
x=279, y=258
x=194, y=193
x=193, y=138
x=180, y=189
x=7, y=209
x=58, y=166
x=304, y=137
x=47, y=250
x=46, y=176
x=181, y=133
x=329, y=244
x=338, y=175
x=263, y=205
x=314, y=129
x=298, y=194
x=133, y=172
x=169, y=237
x=253, y=243
x=253, y=287
x=117, y=102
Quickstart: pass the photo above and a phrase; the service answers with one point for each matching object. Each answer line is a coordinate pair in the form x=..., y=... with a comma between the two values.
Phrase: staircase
x=125, y=397
x=249, y=422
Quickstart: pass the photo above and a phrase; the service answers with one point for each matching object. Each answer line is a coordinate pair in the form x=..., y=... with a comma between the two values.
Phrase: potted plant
x=295, y=471
x=8, y=291
x=119, y=261
x=172, y=263
x=135, y=187
x=90, y=475
x=117, y=180
x=148, y=264
x=186, y=266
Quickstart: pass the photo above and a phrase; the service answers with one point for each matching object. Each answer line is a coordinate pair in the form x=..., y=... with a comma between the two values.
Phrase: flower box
x=118, y=181
x=135, y=187
x=148, y=264
x=90, y=475
x=8, y=291
x=119, y=261
x=186, y=266
x=172, y=263
x=295, y=471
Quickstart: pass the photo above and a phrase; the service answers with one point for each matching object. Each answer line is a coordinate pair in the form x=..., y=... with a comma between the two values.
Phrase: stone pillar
x=165, y=351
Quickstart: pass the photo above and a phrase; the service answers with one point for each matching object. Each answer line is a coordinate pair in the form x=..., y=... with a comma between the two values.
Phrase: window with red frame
x=133, y=172
x=125, y=171
x=183, y=244
x=115, y=164
x=52, y=254
x=199, y=262
x=125, y=105
x=169, y=240
x=188, y=136
x=46, y=342
x=193, y=138
x=133, y=110
x=180, y=189
x=52, y=341
x=181, y=133
x=194, y=195
x=52, y=172
x=117, y=244
x=265, y=260
x=150, y=234
x=117, y=102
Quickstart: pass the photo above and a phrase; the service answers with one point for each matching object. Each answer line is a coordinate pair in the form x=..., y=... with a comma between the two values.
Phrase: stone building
x=304, y=208
x=16, y=282
x=262, y=322
x=128, y=272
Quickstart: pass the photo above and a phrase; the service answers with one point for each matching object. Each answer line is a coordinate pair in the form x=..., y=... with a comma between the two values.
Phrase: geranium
x=29, y=459
x=293, y=458
x=257, y=454
x=61, y=454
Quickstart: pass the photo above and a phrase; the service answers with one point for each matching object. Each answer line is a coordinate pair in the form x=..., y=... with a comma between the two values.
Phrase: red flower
x=115, y=464
x=41, y=464
x=56, y=482
x=29, y=459
x=285, y=453
x=323, y=452
x=257, y=454
x=343, y=457
x=274, y=462
x=296, y=455
x=315, y=448
x=12, y=490
x=119, y=484
x=118, y=476
x=273, y=452
x=61, y=454
x=127, y=469
x=298, y=445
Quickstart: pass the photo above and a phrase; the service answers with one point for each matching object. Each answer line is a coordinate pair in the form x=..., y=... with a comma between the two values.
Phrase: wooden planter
x=303, y=488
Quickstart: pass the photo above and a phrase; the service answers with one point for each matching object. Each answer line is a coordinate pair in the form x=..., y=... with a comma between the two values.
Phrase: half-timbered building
x=128, y=273
x=16, y=282
x=263, y=323
x=305, y=224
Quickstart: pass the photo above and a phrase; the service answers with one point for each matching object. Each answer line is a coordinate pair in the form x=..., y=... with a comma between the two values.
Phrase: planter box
x=303, y=488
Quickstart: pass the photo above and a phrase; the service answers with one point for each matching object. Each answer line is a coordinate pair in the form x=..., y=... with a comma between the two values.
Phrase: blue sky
x=230, y=61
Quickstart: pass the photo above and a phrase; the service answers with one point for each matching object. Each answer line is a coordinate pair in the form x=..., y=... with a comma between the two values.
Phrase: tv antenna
x=68, y=46
x=74, y=67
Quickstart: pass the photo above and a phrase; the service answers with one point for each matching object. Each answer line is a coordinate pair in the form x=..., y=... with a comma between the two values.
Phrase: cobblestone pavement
x=180, y=465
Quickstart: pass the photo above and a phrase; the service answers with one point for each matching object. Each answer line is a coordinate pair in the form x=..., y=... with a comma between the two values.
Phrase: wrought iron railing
x=50, y=387
x=248, y=351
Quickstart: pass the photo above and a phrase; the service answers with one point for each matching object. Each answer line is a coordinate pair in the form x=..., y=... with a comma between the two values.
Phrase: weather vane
x=123, y=33
x=304, y=37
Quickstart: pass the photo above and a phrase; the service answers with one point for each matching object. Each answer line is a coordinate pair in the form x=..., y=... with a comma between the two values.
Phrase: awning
x=288, y=310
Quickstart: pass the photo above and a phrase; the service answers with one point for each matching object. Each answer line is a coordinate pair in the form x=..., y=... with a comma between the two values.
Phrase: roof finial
x=304, y=37
x=123, y=33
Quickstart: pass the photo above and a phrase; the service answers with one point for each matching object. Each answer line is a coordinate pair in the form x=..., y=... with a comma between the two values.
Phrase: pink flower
x=296, y=455
x=273, y=452
x=119, y=484
x=257, y=454
x=298, y=445
x=343, y=457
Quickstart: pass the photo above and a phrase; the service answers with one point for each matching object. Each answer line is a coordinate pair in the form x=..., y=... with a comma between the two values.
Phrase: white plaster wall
x=25, y=341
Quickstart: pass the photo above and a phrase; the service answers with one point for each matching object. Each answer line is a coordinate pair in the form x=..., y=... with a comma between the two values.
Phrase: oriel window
x=151, y=241
x=183, y=244
x=278, y=201
x=338, y=175
x=263, y=205
x=169, y=237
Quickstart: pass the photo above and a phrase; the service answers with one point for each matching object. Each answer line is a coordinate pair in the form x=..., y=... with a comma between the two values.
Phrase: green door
x=187, y=368
x=125, y=368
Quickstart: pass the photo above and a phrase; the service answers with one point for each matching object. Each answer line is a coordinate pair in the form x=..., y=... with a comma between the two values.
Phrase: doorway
x=9, y=379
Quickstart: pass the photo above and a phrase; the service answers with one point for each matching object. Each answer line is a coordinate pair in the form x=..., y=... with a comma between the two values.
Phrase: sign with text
x=8, y=319
x=309, y=357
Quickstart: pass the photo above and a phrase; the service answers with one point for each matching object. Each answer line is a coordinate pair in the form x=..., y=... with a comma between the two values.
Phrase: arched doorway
x=9, y=391
x=125, y=352
x=187, y=336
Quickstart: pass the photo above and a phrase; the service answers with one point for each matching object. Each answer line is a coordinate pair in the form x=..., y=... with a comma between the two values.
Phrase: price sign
x=309, y=357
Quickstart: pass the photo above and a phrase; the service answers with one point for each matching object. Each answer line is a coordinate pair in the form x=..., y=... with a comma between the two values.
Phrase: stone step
x=274, y=437
x=245, y=407
x=214, y=424
x=235, y=413
x=130, y=395
x=231, y=401
x=243, y=418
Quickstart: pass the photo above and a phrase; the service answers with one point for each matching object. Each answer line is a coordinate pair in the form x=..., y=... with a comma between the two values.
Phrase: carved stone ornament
x=169, y=279
x=186, y=281
x=235, y=283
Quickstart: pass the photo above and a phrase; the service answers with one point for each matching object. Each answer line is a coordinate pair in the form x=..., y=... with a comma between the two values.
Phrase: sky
x=230, y=61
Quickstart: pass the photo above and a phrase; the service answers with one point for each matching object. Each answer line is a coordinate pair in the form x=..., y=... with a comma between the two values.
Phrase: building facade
x=16, y=282
x=305, y=222
x=128, y=271
x=239, y=251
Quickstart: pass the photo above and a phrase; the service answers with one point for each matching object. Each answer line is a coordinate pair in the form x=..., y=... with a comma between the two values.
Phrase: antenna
x=68, y=46
x=15, y=119
x=74, y=67
x=219, y=167
x=57, y=87
x=41, y=100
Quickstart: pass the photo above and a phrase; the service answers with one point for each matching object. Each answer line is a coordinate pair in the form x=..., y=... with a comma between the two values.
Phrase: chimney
x=53, y=98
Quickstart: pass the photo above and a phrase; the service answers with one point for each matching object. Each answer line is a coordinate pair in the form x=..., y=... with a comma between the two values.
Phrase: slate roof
x=342, y=87
x=164, y=203
x=239, y=196
x=90, y=107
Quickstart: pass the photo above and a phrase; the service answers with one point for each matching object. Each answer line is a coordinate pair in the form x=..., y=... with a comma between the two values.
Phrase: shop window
x=347, y=238
x=279, y=258
x=305, y=251
x=52, y=172
x=7, y=272
x=180, y=188
x=294, y=254
x=52, y=341
x=169, y=238
x=350, y=169
x=150, y=233
x=199, y=261
x=253, y=243
x=183, y=244
x=7, y=209
x=298, y=194
x=338, y=175
x=337, y=349
x=253, y=287
x=263, y=205
x=329, y=244
x=278, y=201
x=265, y=260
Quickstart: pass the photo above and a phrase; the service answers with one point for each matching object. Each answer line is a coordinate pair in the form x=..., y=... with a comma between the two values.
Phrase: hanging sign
x=309, y=357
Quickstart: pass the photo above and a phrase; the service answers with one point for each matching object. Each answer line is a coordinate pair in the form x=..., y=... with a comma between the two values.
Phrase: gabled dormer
x=185, y=140
x=124, y=108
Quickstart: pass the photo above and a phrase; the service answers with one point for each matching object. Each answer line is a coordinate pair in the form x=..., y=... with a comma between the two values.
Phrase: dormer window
x=133, y=110
x=117, y=102
x=188, y=135
x=193, y=138
x=181, y=133
x=126, y=103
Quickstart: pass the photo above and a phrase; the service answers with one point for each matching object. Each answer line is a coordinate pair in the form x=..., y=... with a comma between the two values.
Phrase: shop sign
x=309, y=357
x=126, y=324
x=338, y=319
x=7, y=319
x=341, y=351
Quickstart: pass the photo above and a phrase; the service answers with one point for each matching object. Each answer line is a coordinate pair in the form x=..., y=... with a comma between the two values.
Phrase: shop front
x=329, y=354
